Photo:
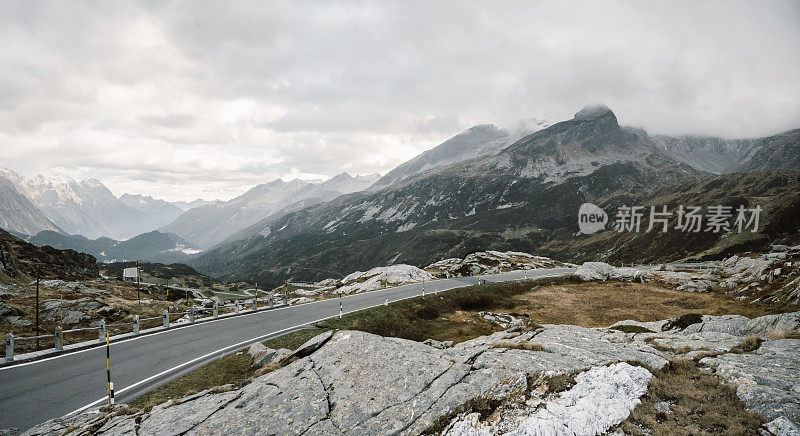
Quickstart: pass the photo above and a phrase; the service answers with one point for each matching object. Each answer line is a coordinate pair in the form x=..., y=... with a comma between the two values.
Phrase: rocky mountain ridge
x=18, y=214
x=21, y=262
x=523, y=198
x=252, y=212
x=477, y=141
x=160, y=212
x=483, y=203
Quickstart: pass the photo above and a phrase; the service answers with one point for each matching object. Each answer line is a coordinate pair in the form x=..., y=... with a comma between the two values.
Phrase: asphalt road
x=33, y=392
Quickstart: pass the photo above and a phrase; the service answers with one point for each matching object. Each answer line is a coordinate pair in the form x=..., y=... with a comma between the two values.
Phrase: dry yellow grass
x=518, y=346
x=598, y=304
x=699, y=405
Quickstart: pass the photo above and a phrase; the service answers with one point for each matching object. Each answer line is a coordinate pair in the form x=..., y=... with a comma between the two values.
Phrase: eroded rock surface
x=354, y=382
x=767, y=380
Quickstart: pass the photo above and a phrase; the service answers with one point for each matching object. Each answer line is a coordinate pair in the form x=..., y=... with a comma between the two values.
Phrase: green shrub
x=683, y=321
x=627, y=328
x=427, y=312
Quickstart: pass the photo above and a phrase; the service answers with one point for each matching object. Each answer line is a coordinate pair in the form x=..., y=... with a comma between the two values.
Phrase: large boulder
x=381, y=276
x=7, y=310
x=263, y=355
x=601, y=398
x=742, y=326
x=603, y=271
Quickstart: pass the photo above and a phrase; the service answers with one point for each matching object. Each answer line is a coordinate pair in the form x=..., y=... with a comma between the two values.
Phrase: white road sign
x=130, y=273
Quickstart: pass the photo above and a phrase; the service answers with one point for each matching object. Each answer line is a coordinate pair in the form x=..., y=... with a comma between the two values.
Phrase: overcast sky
x=207, y=99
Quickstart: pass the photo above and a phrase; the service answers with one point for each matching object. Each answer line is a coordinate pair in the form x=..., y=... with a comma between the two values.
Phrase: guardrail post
x=191, y=314
x=165, y=317
x=10, y=347
x=216, y=310
x=135, y=324
x=271, y=299
x=59, y=339
x=237, y=306
x=102, y=330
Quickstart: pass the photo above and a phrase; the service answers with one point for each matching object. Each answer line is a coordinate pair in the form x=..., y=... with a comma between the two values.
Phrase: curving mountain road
x=33, y=392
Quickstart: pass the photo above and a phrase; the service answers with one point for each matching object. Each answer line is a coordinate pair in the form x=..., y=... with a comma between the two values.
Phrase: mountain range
x=520, y=197
x=86, y=216
x=475, y=142
x=208, y=225
x=511, y=188
x=151, y=246
x=86, y=208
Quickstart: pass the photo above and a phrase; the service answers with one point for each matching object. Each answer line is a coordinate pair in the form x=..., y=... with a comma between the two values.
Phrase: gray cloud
x=186, y=99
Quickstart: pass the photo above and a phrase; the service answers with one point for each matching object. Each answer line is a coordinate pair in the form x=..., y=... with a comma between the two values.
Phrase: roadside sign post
x=340, y=305
x=138, y=295
x=102, y=330
x=59, y=339
x=37, y=312
x=255, y=299
x=10, y=347
x=108, y=373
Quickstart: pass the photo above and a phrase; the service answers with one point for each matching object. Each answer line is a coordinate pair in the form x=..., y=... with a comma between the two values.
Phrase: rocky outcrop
x=490, y=262
x=603, y=271
x=767, y=380
x=601, y=398
x=772, y=277
x=19, y=259
x=263, y=355
x=358, y=383
x=382, y=276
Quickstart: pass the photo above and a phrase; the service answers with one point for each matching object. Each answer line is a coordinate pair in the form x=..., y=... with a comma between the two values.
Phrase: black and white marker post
x=138, y=295
x=340, y=305
x=108, y=373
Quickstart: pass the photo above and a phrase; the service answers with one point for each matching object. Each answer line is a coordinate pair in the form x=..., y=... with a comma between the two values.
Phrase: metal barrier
x=103, y=328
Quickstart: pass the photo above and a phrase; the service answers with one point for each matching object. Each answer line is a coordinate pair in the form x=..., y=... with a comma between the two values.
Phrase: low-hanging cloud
x=187, y=99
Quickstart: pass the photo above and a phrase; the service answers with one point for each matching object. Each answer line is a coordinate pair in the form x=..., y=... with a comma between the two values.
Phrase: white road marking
x=240, y=344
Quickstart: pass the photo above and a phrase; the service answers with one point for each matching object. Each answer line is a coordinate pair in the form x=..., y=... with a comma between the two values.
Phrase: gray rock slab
x=767, y=380
x=313, y=344
x=175, y=419
x=288, y=401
